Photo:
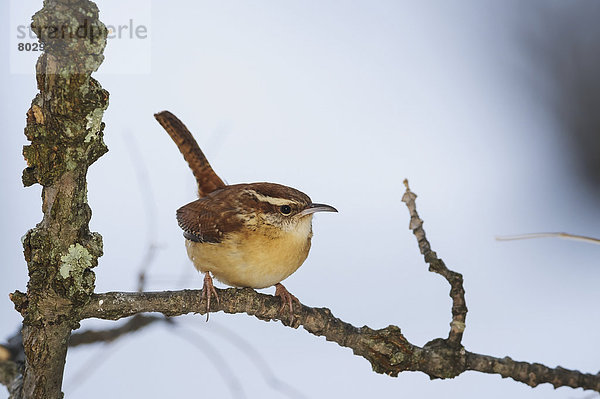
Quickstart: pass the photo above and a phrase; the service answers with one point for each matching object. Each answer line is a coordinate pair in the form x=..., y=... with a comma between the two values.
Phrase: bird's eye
x=285, y=209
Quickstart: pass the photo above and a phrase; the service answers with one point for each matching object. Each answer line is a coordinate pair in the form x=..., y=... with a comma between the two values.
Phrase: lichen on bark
x=65, y=128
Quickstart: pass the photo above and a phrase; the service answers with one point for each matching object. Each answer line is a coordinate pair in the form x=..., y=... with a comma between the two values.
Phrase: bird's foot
x=286, y=298
x=208, y=290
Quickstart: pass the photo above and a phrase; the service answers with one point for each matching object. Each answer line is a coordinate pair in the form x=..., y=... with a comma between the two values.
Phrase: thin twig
x=565, y=236
x=134, y=324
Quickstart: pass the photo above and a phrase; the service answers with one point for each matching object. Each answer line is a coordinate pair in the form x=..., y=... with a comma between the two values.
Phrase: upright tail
x=207, y=179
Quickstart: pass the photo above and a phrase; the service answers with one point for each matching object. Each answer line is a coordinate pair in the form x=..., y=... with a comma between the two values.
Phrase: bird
x=245, y=235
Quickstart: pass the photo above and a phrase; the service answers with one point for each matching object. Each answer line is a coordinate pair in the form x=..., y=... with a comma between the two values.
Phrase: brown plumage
x=247, y=235
x=211, y=218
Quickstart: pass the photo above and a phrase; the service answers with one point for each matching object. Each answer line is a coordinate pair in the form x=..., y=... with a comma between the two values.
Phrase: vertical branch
x=64, y=126
x=436, y=265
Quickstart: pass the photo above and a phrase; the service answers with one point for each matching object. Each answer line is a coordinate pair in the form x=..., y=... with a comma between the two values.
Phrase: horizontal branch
x=386, y=349
x=532, y=374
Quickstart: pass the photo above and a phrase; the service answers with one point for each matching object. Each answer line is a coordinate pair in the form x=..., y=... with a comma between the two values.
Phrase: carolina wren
x=247, y=235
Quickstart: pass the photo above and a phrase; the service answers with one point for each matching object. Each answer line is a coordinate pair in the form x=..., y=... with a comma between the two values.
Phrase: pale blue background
x=341, y=99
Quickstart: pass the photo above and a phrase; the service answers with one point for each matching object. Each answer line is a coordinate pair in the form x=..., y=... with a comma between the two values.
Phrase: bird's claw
x=208, y=290
x=286, y=299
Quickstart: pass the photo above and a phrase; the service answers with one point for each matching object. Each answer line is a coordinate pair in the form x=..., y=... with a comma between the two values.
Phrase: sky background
x=342, y=100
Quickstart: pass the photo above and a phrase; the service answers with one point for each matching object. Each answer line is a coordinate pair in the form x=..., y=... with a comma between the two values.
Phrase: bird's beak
x=312, y=208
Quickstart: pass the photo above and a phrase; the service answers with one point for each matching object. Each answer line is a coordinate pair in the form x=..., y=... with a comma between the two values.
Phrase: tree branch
x=387, y=349
x=436, y=265
x=136, y=323
x=532, y=374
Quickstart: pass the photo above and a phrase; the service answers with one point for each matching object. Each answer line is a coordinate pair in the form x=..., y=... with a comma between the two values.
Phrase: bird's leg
x=208, y=290
x=286, y=298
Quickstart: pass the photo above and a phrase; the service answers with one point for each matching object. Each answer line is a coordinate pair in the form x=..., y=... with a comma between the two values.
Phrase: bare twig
x=134, y=324
x=436, y=265
x=565, y=236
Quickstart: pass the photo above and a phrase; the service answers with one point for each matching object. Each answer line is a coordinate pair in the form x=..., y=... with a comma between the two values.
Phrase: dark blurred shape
x=562, y=38
x=14, y=347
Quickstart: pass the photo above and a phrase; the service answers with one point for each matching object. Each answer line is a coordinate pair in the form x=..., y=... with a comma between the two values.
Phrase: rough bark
x=65, y=129
x=386, y=349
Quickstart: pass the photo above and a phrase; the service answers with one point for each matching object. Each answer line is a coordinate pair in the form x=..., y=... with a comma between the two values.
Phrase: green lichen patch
x=75, y=262
x=75, y=266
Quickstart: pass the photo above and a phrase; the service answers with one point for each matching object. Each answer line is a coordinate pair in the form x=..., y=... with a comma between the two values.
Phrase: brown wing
x=207, y=179
x=207, y=220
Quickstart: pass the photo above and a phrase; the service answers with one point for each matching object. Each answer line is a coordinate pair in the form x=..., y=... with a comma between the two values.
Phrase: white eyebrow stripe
x=271, y=200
